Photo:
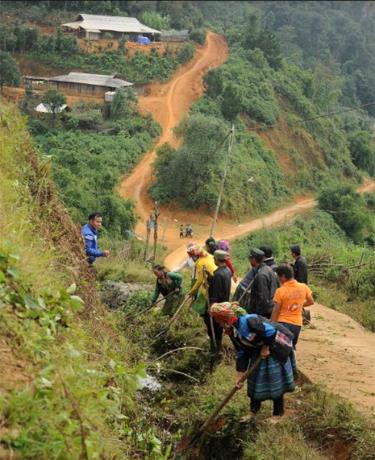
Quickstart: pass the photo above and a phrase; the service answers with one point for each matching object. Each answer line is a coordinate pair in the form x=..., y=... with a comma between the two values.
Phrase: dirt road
x=337, y=353
x=169, y=103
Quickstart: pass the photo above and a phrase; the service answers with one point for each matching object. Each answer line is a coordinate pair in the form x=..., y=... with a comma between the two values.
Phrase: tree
x=155, y=20
x=349, y=211
x=9, y=71
x=53, y=100
x=122, y=103
x=362, y=151
x=213, y=82
x=232, y=101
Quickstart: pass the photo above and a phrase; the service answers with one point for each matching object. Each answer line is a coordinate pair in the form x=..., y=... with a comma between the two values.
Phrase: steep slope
x=56, y=400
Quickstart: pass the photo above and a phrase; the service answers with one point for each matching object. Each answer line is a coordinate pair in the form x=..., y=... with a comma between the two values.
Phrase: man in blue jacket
x=90, y=235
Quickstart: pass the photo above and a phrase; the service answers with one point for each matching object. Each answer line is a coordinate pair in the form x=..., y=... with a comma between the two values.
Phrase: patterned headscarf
x=195, y=250
x=227, y=312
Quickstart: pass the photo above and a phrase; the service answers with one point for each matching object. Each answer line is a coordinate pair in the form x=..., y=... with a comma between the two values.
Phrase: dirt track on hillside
x=339, y=353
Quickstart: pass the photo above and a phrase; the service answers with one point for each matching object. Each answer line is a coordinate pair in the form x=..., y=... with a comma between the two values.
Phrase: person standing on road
x=218, y=291
x=264, y=286
x=300, y=270
x=269, y=260
x=181, y=231
x=289, y=300
x=90, y=235
x=300, y=265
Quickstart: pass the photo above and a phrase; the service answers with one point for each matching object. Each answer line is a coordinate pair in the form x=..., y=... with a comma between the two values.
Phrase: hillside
x=92, y=366
x=70, y=368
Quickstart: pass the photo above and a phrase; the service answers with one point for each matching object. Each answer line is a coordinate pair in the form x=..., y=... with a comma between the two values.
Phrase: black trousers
x=218, y=332
x=278, y=406
x=295, y=330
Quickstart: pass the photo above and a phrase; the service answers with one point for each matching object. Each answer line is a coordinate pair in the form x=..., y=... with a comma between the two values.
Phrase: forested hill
x=300, y=124
x=334, y=38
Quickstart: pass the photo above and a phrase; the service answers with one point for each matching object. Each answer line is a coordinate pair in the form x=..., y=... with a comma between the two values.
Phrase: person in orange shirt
x=289, y=301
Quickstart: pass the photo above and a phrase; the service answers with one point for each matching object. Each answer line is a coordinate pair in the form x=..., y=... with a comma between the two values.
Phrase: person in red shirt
x=289, y=300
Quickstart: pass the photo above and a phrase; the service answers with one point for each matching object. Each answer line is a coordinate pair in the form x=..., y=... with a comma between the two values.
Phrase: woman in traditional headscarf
x=253, y=335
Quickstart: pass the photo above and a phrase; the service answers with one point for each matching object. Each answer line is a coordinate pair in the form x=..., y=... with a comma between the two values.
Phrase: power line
x=324, y=115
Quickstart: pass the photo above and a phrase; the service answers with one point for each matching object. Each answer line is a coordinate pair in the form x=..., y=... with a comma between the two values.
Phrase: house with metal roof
x=94, y=26
x=85, y=84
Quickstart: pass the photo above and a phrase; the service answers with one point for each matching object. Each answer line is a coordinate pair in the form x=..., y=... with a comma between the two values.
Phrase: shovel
x=189, y=443
x=150, y=307
x=172, y=320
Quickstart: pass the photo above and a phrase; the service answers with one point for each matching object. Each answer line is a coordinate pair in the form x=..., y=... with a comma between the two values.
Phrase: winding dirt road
x=339, y=352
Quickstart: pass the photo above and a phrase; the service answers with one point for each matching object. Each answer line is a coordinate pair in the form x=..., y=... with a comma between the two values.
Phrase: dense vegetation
x=336, y=38
x=262, y=94
x=90, y=151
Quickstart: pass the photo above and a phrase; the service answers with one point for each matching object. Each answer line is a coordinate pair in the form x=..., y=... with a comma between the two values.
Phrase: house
x=94, y=27
x=85, y=84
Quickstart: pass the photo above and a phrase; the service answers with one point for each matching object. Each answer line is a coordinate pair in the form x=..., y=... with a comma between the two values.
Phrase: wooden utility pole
x=156, y=216
x=149, y=225
x=230, y=146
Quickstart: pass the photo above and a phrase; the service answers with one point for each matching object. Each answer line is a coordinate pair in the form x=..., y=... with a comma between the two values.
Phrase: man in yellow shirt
x=289, y=300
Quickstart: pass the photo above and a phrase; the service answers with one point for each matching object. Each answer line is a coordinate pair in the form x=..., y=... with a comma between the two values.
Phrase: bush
x=348, y=209
x=198, y=36
x=362, y=150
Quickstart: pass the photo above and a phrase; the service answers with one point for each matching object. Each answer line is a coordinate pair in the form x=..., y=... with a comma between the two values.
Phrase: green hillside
x=70, y=367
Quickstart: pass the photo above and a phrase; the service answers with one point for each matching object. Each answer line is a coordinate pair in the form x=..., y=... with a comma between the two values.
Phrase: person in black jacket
x=300, y=270
x=218, y=291
x=300, y=265
x=269, y=259
x=264, y=286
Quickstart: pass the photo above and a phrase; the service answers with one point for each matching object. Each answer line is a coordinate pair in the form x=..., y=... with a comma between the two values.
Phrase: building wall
x=78, y=88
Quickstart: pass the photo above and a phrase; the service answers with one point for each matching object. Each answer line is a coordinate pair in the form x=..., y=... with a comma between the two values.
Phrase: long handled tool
x=173, y=319
x=150, y=306
x=206, y=286
x=248, y=289
x=187, y=444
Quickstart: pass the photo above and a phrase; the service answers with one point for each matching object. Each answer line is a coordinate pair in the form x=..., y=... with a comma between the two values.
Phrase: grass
x=79, y=399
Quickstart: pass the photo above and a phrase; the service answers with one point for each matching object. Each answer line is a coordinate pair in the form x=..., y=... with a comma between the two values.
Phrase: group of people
x=263, y=318
x=187, y=231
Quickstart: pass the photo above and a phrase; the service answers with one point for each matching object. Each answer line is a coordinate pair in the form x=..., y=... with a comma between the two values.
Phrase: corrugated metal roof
x=92, y=79
x=110, y=23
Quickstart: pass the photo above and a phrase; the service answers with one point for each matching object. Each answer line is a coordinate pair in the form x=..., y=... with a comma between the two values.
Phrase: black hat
x=256, y=254
x=268, y=252
x=296, y=249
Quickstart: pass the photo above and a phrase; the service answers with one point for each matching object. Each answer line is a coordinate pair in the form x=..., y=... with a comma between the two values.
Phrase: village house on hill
x=94, y=27
x=85, y=84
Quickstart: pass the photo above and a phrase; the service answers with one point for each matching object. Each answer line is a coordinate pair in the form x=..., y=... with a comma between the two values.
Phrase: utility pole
x=230, y=146
x=149, y=225
x=156, y=215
